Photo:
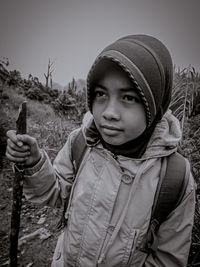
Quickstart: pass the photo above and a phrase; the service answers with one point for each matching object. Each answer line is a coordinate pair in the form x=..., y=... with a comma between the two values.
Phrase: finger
x=11, y=134
x=15, y=160
x=18, y=154
x=13, y=146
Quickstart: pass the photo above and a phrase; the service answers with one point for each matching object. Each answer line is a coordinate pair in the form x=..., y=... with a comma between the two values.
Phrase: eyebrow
x=126, y=89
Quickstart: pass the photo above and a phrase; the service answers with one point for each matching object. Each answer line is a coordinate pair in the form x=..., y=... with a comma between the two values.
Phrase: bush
x=36, y=93
x=5, y=125
x=4, y=96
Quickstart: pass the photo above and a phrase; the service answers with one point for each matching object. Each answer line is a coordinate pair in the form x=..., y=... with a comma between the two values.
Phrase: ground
x=51, y=132
x=35, y=251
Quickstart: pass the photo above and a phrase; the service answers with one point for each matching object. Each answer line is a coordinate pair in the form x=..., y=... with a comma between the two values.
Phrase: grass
x=185, y=97
x=184, y=94
x=50, y=129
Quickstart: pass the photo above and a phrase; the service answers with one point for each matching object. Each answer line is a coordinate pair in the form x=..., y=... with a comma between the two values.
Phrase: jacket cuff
x=31, y=170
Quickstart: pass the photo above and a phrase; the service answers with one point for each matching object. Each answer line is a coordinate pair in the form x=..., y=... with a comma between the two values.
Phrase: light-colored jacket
x=111, y=201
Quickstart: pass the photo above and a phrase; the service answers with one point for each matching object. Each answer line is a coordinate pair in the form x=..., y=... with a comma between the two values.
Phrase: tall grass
x=185, y=89
x=185, y=99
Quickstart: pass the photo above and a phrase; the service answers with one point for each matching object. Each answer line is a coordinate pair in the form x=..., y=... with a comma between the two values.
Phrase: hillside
x=52, y=115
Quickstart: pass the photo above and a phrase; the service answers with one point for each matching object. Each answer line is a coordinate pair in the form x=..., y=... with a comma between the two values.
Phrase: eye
x=131, y=98
x=99, y=93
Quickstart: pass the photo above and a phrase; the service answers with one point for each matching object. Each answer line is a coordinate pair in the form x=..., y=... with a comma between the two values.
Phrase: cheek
x=136, y=123
x=142, y=119
x=96, y=111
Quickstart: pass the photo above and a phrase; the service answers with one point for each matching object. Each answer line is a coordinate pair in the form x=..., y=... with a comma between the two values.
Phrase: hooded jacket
x=110, y=203
x=148, y=63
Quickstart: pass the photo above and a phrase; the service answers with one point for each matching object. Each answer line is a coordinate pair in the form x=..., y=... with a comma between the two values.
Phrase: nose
x=111, y=111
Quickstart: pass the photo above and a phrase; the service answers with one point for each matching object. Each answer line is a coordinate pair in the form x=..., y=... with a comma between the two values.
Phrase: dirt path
x=34, y=251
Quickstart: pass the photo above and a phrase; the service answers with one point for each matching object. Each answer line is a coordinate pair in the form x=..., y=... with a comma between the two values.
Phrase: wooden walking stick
x=17, y=193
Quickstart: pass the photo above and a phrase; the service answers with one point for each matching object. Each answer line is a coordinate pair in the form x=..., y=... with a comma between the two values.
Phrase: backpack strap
x=170, y=191
x=78, y=150
x=172, y=188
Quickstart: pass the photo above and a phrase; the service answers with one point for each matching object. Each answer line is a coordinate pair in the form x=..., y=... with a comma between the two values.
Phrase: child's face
x=118, y=112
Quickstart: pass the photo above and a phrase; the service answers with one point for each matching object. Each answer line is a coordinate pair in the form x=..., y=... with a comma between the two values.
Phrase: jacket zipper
x=133, y=247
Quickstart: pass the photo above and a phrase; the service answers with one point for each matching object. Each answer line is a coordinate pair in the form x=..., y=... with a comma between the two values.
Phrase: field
x=51, y=117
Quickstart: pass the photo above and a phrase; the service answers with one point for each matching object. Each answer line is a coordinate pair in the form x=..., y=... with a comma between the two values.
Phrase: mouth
x=110, y=130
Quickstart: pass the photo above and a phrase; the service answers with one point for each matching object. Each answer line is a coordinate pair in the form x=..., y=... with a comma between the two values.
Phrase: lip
x=110, y=130
x=111, y=127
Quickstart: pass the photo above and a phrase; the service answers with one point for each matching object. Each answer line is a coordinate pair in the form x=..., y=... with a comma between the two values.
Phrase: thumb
x=25, y=138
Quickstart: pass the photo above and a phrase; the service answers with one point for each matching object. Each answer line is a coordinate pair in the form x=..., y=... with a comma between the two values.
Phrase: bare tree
x=51, y=81
x=48, y=75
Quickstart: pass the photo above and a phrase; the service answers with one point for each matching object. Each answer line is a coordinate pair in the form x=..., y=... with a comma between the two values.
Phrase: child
x=128, y=133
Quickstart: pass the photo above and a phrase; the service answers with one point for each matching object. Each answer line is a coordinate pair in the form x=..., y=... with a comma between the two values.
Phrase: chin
x=113, y=142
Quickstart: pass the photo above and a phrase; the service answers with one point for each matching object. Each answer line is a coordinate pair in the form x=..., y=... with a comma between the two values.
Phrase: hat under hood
x=148, y=64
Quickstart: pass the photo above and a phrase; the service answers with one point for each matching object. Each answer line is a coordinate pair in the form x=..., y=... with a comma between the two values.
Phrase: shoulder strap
x=171, y=187
x=78, y=150
x=170, y=191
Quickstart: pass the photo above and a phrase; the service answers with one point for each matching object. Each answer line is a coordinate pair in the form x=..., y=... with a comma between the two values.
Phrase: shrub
x=36, y=93
x=4, y=96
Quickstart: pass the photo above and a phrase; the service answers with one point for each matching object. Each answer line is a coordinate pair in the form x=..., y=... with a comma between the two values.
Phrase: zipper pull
x=115, y=156
x=101, y=259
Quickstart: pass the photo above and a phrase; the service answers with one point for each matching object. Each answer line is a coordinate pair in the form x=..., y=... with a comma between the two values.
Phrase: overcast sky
x=73, y=32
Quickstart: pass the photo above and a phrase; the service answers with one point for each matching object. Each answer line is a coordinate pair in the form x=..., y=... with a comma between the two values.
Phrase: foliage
x=185, y=106
x=4, y=74
x=69, y=102
x=185, y=95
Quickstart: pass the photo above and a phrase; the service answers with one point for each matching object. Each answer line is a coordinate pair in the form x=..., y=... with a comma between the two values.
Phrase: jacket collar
x=163, y=142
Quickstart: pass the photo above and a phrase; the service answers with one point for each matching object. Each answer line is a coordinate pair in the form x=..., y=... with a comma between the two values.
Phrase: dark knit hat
x=148, y=64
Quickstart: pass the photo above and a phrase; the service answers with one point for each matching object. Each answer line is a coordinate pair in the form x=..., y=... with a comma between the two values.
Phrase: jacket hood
x=148, y=64
x=163, y=142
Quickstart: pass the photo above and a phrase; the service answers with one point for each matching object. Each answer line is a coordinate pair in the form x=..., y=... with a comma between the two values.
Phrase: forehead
x=115, y=76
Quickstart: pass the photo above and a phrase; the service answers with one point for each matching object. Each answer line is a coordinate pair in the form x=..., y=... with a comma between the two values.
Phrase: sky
x=72, y=32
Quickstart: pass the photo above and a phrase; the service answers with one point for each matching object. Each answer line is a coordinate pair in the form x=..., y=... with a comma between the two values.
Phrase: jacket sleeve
x=174, y=235
x=50, y=184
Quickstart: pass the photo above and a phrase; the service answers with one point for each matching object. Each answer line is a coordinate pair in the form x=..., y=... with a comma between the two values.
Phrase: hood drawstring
x=132, y=191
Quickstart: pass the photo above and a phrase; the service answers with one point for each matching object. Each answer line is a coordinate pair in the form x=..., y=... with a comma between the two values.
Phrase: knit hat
x=148, y=64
